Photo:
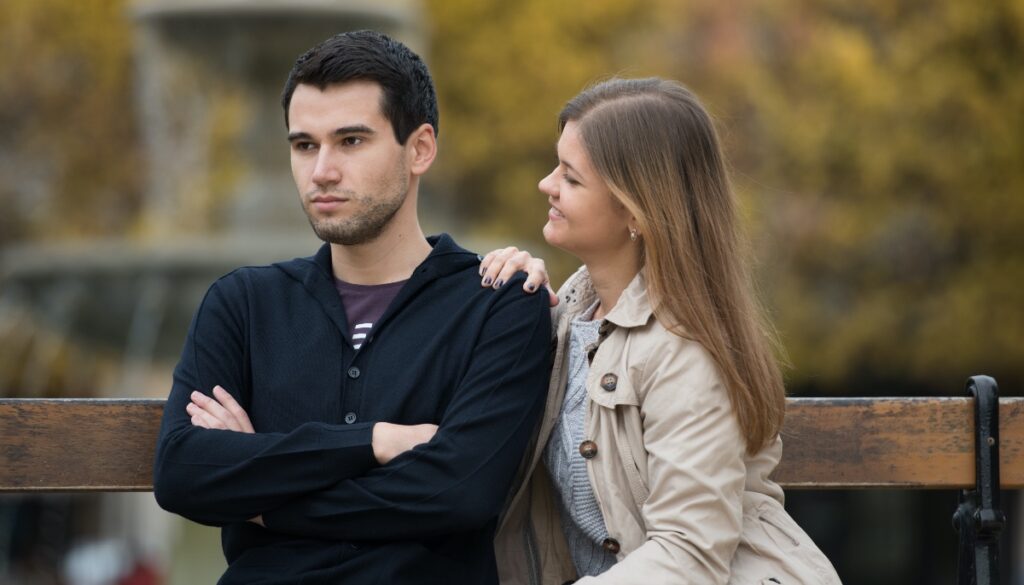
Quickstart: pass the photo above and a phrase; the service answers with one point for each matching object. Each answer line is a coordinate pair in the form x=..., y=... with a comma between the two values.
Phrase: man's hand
x=391, y=440
x=499, y=265
x=223, y=413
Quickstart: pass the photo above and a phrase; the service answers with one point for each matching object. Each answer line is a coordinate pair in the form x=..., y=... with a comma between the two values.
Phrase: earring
x=632, y=234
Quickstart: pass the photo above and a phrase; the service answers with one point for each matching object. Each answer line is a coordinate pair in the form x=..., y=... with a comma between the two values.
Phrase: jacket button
x=609, y=382
x=350, y=418
x=588, y=449
x=353, y=372
x=611, y=545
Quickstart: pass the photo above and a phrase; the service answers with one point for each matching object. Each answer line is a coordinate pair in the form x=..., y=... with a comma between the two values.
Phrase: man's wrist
x=379, y=442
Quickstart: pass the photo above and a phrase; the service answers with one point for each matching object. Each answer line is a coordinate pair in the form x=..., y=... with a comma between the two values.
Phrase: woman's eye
x=570, y=180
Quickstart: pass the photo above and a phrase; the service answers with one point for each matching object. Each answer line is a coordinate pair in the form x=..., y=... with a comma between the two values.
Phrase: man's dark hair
x=408, y=92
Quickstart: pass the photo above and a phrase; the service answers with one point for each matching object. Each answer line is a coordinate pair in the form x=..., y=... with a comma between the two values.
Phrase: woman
x=665, y=404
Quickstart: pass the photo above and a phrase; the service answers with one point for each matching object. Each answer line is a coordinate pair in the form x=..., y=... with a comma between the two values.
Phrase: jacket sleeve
x=696, y=471
x=216, y=477
x=460, y=479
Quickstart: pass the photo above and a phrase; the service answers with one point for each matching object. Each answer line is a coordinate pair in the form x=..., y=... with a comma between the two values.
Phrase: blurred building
x=108, y=317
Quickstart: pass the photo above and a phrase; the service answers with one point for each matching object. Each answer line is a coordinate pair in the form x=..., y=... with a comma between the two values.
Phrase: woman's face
x=585, y=219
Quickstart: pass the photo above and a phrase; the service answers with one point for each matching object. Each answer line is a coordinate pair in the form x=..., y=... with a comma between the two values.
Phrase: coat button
x=350, y=418
x=588, y=449
x=353, y=372
x=611, y=545
x=609, y=382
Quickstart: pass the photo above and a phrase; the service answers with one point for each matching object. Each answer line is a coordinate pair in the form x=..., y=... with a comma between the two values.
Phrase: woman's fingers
x=492, y=265
x=498, y=266
x=517, y=261
x=536, y=275
x=552, y=296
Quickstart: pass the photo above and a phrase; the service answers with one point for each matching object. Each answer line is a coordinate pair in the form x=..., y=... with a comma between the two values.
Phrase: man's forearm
x=459, y=480
x=220, y=476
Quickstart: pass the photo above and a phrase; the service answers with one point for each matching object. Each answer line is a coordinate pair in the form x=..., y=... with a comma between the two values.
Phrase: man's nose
x=326, y=172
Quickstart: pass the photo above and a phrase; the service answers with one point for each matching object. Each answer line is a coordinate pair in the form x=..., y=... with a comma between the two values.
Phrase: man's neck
x=391, y=257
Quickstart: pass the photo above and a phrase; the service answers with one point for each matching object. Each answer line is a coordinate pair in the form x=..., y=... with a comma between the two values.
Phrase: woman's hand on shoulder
x=498, y=266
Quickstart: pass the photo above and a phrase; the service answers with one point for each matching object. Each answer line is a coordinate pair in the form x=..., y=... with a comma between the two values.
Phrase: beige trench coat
x=682, y=501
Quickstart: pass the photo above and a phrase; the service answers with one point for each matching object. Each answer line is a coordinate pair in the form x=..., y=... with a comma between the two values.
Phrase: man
x=304, y=386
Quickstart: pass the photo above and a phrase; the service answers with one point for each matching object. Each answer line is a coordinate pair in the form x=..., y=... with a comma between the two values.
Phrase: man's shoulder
x=266, y=277
x=466, y=282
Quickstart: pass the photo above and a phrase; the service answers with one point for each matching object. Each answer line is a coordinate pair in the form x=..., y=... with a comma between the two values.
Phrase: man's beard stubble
x=363, y=227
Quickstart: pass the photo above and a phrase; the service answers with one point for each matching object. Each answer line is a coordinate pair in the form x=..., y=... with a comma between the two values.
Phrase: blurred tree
x=881, y=144
x=69, y=161
x=503, y=71
x=878, y=148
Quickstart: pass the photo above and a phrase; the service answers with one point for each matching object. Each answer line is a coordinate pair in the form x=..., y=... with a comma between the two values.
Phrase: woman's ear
x=421, y=148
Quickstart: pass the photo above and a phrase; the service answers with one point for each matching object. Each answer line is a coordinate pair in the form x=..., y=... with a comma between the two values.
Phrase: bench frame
x=973, y=443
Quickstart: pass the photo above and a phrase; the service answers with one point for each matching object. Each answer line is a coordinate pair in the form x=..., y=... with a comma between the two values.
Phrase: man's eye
x=352, y=140
x=303, y=146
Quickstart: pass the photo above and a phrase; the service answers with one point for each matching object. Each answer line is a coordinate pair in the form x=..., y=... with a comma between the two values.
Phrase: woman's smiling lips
x=554, y=214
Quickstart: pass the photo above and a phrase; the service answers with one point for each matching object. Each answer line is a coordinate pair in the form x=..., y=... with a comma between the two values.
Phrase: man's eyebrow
x=344, y=130
x=356, y=129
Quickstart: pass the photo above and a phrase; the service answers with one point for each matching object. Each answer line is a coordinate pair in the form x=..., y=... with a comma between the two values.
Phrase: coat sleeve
x=696, y=471
x=216, y=477
x=460, y=479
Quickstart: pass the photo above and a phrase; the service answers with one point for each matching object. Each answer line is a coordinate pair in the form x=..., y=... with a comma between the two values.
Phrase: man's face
x=351, y=173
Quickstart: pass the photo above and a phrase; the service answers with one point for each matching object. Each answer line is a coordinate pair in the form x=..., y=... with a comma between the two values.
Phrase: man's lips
x=327, y=202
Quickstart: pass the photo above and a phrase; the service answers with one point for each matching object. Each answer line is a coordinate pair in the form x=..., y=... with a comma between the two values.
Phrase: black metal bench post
x=979, y=519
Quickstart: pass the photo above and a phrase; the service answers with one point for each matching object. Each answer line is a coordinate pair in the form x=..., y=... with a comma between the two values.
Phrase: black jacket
x=472, y=360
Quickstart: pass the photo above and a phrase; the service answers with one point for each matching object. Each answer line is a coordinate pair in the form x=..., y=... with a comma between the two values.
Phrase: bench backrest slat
x=893, y=442
x=78, y=444
x=107, y=445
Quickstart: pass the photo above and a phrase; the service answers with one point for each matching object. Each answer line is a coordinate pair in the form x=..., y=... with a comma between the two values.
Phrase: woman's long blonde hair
x=655, y=146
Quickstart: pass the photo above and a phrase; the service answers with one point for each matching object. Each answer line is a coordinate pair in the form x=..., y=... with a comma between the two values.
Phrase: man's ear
x=421, y=147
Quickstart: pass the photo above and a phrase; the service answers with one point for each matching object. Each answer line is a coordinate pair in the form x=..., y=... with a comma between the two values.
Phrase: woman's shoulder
x=673, y=362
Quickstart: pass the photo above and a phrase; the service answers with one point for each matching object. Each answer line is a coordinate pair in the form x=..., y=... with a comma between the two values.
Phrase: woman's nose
x=549, y=184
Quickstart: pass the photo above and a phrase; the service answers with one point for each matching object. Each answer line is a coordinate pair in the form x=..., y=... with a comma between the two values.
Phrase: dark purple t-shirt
x=364, y=304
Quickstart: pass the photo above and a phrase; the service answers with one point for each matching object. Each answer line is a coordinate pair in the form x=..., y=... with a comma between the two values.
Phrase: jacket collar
x=633, y=309
x=445, y=258
x=317, y=275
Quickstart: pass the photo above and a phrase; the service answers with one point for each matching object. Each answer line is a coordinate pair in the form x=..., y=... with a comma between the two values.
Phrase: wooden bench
x=76, y=445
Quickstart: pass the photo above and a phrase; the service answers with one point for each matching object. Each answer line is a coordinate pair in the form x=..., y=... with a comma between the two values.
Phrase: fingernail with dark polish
x=487, y=281
x=499, y=283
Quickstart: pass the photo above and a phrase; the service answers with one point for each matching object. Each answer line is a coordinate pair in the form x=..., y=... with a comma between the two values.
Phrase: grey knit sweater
x=582, y=521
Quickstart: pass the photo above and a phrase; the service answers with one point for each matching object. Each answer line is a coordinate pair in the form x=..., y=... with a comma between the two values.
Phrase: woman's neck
x=610, y=275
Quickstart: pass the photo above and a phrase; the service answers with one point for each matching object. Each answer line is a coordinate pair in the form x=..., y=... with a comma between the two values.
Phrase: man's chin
x=332, y=234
